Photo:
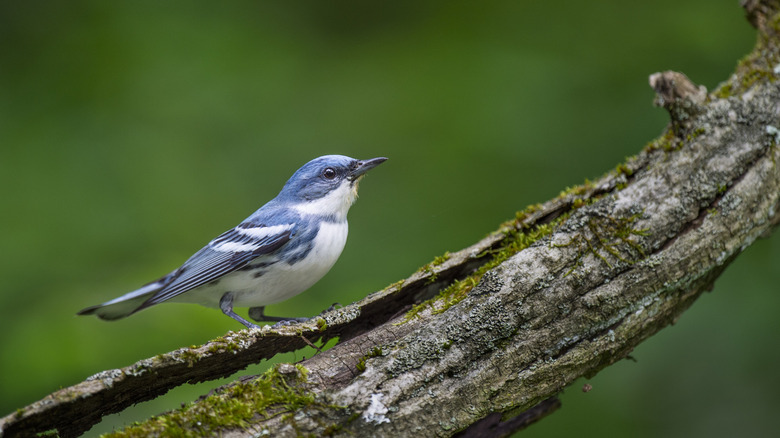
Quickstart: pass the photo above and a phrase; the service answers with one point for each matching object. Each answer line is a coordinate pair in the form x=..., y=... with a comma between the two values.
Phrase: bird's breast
x=328, y=244
x=284, y=280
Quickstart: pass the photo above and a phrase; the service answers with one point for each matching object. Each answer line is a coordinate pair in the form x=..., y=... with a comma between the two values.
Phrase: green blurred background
x=131, y=133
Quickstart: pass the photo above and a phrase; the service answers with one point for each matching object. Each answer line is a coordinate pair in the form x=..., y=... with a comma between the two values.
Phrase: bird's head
x=327, y=185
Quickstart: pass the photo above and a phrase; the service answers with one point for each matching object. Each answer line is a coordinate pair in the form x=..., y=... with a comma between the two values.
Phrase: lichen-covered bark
x=610, y=264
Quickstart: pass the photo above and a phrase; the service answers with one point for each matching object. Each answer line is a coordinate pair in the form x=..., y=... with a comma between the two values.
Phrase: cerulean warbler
x=279, y=251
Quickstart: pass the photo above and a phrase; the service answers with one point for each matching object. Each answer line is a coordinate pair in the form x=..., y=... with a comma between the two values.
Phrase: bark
x=566, y=289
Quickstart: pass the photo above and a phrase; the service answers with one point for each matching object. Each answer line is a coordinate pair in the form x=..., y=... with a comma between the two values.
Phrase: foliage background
x=131, y=133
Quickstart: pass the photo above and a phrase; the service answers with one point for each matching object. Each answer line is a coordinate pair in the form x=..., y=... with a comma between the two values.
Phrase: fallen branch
x=562, y=291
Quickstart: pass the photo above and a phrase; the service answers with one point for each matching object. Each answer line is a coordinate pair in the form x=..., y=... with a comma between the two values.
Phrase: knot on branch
x=760, y=12
x=679, y=96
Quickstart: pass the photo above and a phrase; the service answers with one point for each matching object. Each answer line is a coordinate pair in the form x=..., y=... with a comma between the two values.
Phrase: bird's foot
x=285, y=322
x=258, y=314
x=226, y=305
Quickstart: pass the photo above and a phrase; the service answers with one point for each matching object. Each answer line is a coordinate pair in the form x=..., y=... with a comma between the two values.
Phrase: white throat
x=335, y=204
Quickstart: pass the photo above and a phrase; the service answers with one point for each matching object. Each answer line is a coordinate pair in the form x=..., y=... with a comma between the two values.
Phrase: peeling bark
x=624, y=257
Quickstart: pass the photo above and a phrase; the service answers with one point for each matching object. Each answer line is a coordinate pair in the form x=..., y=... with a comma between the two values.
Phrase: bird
x=278, y=252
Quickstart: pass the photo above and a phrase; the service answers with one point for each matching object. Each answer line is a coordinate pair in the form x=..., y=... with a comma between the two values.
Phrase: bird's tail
x=125, y=305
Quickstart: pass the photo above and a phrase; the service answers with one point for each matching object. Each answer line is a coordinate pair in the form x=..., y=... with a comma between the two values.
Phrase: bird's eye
x=329, y=173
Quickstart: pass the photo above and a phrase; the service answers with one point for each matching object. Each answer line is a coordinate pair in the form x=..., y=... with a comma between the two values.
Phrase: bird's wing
x=228, y=252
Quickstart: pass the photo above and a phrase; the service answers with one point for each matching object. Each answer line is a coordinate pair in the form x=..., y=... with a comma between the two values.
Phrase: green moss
x=429, y=269
x=693, y=135
x=623, y=169
x=322, y=325
x=574, y=191
x=332, y=429
x=432, y=275
x=361, y=365
x=398, y=284
x=189, y=356
x=668, y=142
x=441, y=259
x=674, y=146
x=751, y=77
x=224, y=344
x=606, y=236
x=522, y=215
x=774, y=22
x=272, y=394
x=758, y=66
x=725, y=91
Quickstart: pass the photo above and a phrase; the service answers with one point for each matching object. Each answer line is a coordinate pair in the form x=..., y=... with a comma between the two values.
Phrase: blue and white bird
x=279, y=251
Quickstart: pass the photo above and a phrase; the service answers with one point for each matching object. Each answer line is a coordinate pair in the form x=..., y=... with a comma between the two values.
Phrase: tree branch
x=564, y=290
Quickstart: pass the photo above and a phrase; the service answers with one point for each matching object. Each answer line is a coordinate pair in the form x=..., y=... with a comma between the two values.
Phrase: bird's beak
x=364, y=166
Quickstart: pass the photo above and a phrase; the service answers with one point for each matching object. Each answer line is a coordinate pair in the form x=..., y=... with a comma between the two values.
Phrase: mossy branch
x=565, y=289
